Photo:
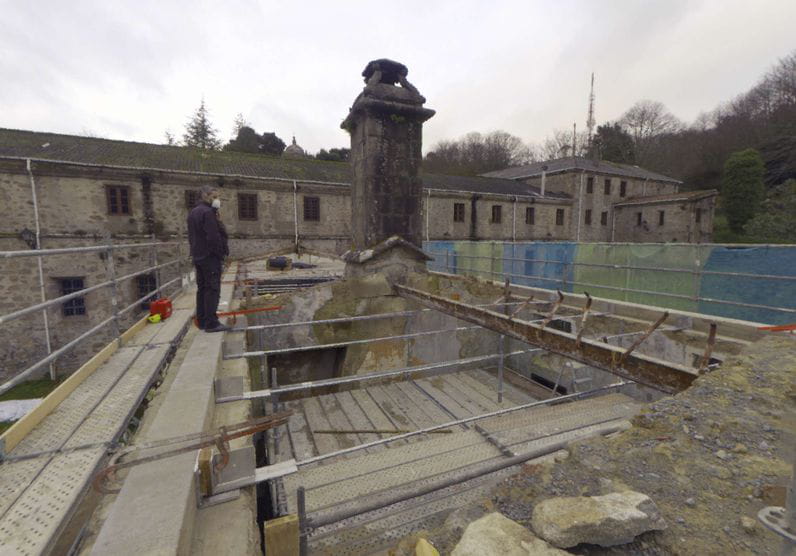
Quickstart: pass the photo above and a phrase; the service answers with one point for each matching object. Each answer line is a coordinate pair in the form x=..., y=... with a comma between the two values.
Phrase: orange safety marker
x=780, y=328
x=234, y=314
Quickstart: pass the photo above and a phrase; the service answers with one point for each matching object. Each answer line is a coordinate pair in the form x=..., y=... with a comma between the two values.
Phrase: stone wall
x=597, y=201
x=679, y=222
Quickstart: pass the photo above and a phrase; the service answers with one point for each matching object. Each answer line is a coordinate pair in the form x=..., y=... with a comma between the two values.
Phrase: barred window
x=247, y=206
x=604, y=218
x=699, y=215
x=622, y=188
x=587, y=217
x=661, y=216
x=118, y=199
x=77, y=305
x=312, y=208
x=608, y=186
x=638, y=219
x=146, y=283
x=192, y=198
x=458, y=212
x=530, y=215
x=590, y=184
x=559, y=217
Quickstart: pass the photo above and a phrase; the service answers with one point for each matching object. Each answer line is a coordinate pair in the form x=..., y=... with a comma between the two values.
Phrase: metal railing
x=442, y=259
x=111, y=283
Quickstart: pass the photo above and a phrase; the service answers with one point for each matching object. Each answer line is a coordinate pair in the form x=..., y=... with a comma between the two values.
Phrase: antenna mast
x=590, y=120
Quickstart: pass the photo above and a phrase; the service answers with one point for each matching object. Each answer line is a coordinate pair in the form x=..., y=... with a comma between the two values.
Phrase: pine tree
x=199, y=132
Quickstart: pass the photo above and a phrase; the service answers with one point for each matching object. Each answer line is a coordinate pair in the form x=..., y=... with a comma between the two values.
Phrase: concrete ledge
x=154, y=512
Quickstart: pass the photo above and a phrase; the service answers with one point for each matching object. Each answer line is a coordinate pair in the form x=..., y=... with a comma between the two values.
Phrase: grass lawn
x=30, y=389
x=26, y=391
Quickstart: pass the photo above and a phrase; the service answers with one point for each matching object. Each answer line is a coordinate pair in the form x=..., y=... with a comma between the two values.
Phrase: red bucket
x=161, y=307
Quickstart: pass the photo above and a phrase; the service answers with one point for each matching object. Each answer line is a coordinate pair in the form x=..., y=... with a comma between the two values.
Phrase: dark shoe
x=218, y=328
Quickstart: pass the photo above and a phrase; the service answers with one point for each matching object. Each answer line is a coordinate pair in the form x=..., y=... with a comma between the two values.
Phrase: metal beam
x=651, y=371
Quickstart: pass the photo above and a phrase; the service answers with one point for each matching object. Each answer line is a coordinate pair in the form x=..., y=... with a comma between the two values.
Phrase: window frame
x=244, y=200
x=639, y=218
x=530, y=216
x=623, y=188
x=496, y=216
x=560, y=217
x=604, y=218
x=312, y=213
x=114, y=198
x=141, y=292
x=590, y=185
x=661, y=217
x=458, y=212
x=607, y=186
x=587, y=217
x=75, y=307
x=698, y=215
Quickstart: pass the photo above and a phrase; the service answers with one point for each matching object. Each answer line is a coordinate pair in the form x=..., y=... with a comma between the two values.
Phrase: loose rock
x=496, y=535
x=608, y=520
x=748, y=524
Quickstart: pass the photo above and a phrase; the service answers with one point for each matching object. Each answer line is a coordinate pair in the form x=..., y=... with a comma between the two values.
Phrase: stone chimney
x=386, y=127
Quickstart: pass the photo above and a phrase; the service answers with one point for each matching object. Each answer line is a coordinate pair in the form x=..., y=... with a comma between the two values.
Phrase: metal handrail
x=112, y=283
x=68, y=250
x=79, y=293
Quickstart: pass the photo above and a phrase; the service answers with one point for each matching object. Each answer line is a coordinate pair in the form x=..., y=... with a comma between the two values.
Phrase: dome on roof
x=294, y=151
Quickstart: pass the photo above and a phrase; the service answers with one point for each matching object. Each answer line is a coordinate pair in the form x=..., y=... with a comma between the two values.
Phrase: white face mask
x=216, y=204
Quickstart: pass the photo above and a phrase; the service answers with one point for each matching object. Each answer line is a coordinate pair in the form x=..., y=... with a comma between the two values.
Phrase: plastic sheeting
x=677, y=275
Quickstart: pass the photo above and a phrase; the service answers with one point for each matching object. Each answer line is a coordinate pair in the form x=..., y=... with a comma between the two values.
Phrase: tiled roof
x=578, y=164
x=106, y=152
x=671, y=198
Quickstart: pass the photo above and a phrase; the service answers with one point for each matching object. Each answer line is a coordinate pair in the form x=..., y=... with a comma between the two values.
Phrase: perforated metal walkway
x=38, y=494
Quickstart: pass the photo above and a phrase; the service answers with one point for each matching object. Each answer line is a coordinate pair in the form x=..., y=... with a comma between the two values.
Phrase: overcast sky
x=133, y=69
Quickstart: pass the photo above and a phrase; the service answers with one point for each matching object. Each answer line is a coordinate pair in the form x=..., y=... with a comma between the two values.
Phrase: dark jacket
x=222, y=229
x=203, y=233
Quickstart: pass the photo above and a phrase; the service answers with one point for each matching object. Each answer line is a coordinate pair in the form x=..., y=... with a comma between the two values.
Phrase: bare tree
x=476, y=154
x=559, y=144
x=647, y=121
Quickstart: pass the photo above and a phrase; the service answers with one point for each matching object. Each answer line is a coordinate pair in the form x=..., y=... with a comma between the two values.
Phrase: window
x=458, y=212
x=559, y=217
x=590, y=184
x=608, y=186
x=247, y=206
x=638, y=219
x=530, y=215
x=497, y=211
x=146, y=283
x=604, y=218
x=699, y=215
x=118, y=199
x=587, y=217
x=661, y=217
x=622, y=188
x=77, y=305
x=312, y=208
x=191, y=198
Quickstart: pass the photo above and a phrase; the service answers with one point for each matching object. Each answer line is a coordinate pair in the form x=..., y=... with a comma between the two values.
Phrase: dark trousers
x=208, y=290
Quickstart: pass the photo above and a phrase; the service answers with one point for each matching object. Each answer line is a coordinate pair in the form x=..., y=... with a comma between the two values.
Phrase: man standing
x=207, y=251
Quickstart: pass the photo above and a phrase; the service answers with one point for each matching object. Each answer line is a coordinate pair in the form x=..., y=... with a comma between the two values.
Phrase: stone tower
x=386, y=127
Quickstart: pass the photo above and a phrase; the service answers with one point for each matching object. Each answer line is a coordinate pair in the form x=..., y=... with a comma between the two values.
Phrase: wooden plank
x=338, y=421
x=489, y=383
x=399, y=419
x=486, y=400
x=429, y=406
x=282, y=536
x=18, y=431
x=300, y=437
x=316, y=419
x=134, y=329
x=375, y=413
x=359, y=419
x=448, y=401
x=405, y=403
x=467, y=396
